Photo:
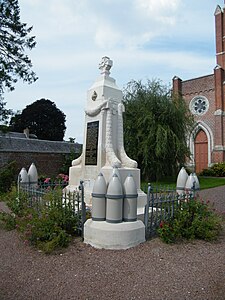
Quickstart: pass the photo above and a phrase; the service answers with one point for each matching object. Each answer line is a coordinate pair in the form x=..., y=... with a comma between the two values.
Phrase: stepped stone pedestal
x=114, y=236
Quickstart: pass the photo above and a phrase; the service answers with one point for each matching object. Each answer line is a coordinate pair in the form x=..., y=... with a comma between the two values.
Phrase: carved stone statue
x=105, y=65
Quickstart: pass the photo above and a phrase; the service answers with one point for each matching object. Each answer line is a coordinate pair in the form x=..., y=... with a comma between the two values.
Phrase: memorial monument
x=111, y=179
x=103, y=144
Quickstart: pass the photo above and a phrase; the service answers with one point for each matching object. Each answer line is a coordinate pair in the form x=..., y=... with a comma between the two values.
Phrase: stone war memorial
x=111, y=179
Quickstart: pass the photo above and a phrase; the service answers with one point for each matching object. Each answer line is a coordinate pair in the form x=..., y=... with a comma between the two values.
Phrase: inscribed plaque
x=91, y=153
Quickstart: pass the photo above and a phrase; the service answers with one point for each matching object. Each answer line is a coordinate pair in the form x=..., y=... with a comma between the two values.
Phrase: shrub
x=67, y=161
x=194, y=220
x=16, y=202
x=7, y=177
x=43, y=231
x=48, y=226
x=61, y=180
x=166, y=232
x=217, y=170
x=7, y=221
x=59, y=241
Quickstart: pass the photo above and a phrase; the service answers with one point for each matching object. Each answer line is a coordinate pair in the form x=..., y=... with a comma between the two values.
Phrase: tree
x=43, y=118
x=156, y=125
x=4, y=113
x=14, y=39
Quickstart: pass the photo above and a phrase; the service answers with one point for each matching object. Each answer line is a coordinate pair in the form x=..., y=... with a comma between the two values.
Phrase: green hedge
x=217, y=170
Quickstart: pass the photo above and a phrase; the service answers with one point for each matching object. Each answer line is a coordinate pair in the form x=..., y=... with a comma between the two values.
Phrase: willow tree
x=156, y=125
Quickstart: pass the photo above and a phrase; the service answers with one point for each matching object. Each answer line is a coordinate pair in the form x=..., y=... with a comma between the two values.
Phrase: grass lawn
x=210, y=182
x=205, y=183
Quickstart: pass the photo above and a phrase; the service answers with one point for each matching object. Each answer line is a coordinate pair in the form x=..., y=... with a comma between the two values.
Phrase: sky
x=146, y=39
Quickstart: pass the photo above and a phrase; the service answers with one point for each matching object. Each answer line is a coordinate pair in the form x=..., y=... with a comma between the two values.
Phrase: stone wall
x=48, y=164
x=48, y=156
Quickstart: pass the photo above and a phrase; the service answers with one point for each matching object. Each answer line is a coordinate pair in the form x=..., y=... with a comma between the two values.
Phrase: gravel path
x=152, y=270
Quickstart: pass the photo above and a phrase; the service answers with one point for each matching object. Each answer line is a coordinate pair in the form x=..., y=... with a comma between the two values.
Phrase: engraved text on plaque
x=92, y=143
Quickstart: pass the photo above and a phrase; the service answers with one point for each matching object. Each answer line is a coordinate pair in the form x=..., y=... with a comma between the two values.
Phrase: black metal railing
x=48, y=196
x=162, y=204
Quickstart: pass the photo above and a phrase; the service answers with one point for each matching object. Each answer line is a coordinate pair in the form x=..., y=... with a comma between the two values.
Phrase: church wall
x=212, y=87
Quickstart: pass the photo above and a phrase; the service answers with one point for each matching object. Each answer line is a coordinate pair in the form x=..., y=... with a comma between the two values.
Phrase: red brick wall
x=219, y=36
x=203, y=86
x=198, y=85
x=218, y=156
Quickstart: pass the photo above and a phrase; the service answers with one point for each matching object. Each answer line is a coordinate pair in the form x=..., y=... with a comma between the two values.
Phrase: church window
x=199, y=105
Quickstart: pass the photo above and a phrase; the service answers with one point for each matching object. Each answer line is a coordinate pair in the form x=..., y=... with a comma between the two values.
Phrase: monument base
x=90, y=173
x=114, y=236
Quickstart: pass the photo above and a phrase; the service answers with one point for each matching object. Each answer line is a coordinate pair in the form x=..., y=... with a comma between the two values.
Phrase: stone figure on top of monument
x=105, y=65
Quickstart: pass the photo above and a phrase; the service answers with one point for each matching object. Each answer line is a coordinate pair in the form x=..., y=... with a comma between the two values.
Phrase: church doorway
x=201, y=151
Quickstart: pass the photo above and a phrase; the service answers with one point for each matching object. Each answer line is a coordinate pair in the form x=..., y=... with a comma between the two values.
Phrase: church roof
x=218, y=10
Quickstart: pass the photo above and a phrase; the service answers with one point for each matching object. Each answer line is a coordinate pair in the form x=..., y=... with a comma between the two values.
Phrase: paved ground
x=152, y=270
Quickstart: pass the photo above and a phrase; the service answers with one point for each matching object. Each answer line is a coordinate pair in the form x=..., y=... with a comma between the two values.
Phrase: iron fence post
x=193, y=189
x=18, y=187
x=83, y=208
x=146, y=212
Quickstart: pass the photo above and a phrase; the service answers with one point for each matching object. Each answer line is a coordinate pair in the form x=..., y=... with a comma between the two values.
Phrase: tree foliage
x=14, y=39
x=155, y=128
x=4, y=113
x=43, y=118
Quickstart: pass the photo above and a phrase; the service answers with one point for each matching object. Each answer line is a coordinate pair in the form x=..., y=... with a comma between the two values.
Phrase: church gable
x=205, y=97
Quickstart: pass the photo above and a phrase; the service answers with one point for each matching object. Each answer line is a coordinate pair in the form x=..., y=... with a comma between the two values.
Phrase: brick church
x=205, y=97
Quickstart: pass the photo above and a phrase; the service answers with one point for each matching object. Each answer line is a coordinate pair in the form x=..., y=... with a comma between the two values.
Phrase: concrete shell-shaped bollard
x=130, y=200
x=33, y=175
x=23, y=178
x=98, y=199
x=117, y=172
x=114, y=201
x=197, y=184
x=190, y=183
x=181, y=180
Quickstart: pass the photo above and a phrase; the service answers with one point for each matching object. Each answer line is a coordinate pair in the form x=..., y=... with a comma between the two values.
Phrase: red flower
x=66, y=178
x=161, y=224
x=47, y=180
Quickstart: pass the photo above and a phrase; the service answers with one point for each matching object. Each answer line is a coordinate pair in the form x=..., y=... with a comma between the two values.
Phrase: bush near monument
x=61, y=180
x=49, y=228
x=194, y=220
